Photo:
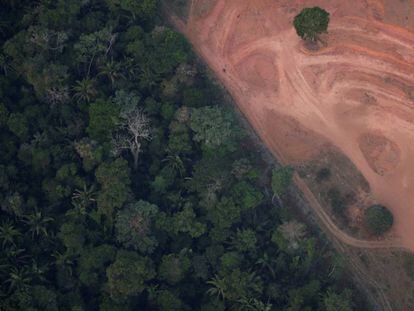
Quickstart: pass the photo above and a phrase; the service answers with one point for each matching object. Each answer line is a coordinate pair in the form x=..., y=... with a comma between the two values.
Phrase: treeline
x=126, y=184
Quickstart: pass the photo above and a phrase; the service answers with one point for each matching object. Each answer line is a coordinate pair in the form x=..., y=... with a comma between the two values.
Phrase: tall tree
x=311, y=22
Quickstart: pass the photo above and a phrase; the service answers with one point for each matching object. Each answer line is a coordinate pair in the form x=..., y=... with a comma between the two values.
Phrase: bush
x=323, y=174
x=337, y=202
x=378, y=219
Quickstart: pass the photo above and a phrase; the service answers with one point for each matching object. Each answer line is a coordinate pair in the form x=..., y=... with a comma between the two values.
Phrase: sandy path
x=357, y=93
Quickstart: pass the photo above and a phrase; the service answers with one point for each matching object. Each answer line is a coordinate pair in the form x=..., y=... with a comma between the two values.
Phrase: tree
x=111, y=70
x=215, y=128
x=37, y=223
x=167, y=301
x=92, y=264
x=338, y=302
x=128, y=274
x=289, y=235
x=173, y=267
x=115, y=191
x=8, y=233
x=184, y=221
x=91, y=46
x=281, y=179
x=378, y=219
x=218, y=287
x=244, y=240
x=311, y=22
x=134, y=129
x=133, y=226
x=103, y=119
x=84, y=90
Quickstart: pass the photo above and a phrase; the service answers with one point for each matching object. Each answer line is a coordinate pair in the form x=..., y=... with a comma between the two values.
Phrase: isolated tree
x=311, y=22
x=378, y=219
x=134, y=129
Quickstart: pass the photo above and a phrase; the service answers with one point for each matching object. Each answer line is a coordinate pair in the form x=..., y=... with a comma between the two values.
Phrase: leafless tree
x=134, y=129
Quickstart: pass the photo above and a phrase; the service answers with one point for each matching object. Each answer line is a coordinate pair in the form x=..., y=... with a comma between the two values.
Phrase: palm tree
x=37, y=223
x=8, y=233
x=5, y=65
x=112, y=70
x=219, y=287
x=18, y=278
x=84, y=196
x=252, y=304
x=14, y=256
x=84, y=90
x=39, y=272
x=63, y=260
x=175, y=163
x=266, y=262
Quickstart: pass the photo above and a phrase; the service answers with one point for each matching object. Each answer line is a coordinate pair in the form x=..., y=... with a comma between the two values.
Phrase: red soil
x=356, y=92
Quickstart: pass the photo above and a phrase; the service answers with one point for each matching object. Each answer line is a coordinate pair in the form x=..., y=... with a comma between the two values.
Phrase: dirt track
x=356, y=93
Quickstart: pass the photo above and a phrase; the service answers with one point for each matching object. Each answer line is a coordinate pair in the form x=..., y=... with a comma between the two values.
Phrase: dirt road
x=356, y=93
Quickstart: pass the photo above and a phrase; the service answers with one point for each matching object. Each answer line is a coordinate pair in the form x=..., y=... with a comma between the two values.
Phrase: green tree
x=174, y=267
x=133, y=226
x=244, y=240
x=338, y=302
x=8, y=233
x=281, y=179
x=378, y=219
x=215, y=128
x=18, y=124
x=311, y=22
x=84, y=90
x=184, y=221
x=115, y=191
x=37, y=223
x=92, y=264
x=167, y=301
x=128, y=274
x=103, y=119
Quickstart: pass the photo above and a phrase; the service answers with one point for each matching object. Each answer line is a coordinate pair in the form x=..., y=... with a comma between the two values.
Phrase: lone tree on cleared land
x=311, y=22
x=378, y=219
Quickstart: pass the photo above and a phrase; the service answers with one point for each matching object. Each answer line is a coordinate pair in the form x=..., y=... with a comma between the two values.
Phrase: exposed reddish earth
x=355, y=93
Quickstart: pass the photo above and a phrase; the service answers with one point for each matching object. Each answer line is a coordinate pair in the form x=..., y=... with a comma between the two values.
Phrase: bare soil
x=355, y=92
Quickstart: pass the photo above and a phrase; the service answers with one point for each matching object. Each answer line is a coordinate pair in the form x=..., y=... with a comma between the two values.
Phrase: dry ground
x=356, y=93
x=348, y=106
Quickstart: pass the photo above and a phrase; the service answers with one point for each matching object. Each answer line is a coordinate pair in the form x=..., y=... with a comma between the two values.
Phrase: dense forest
x=128, y=184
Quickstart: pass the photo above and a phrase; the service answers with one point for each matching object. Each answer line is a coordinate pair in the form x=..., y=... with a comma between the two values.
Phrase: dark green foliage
x=281, y=179
x=103, y=118
x=127, y=275
x=311, y=22
x=378, y=219
x=191, y=227
x=214, y=128
x=337, y=202
x=338, y=302
x=323, y=174
x=134, y=224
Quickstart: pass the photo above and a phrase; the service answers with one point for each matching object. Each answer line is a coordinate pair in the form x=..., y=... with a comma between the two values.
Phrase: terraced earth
x=355, y=92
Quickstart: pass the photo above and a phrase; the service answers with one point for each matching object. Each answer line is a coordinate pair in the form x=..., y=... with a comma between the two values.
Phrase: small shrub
x=378, y=219
x=337, y=202
x=323, y=174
